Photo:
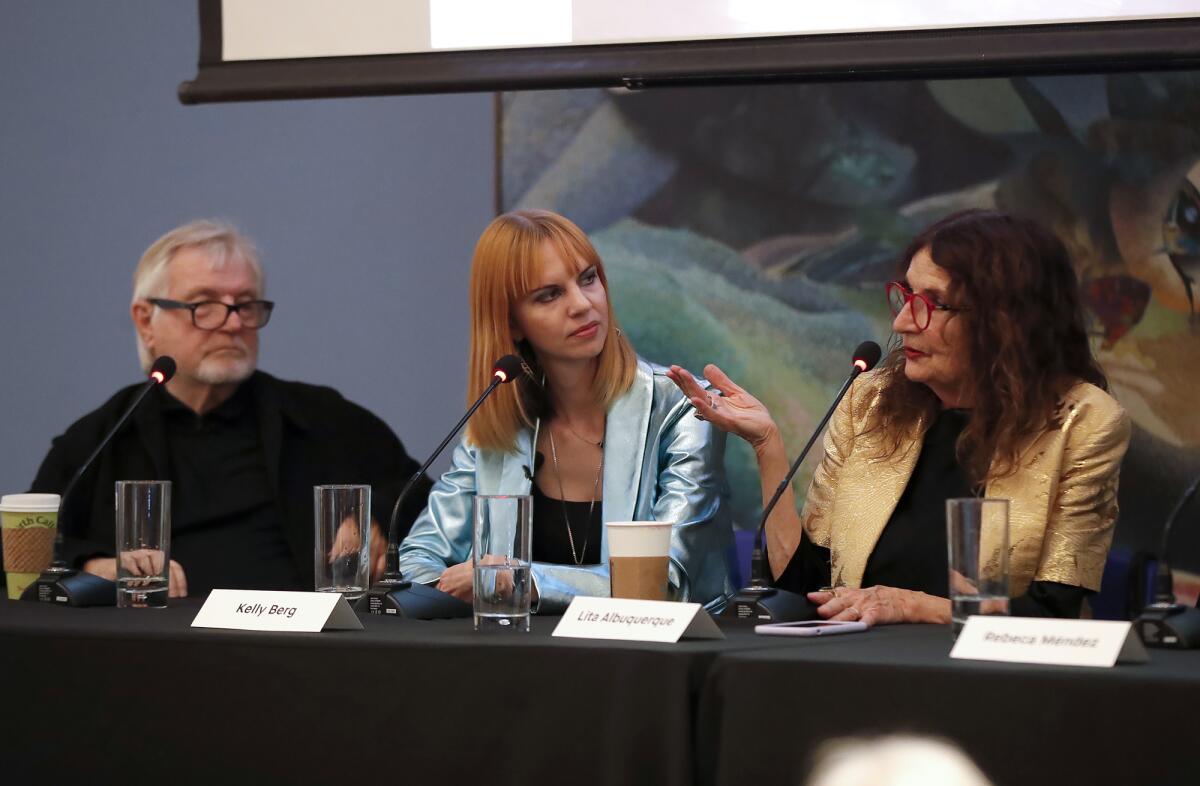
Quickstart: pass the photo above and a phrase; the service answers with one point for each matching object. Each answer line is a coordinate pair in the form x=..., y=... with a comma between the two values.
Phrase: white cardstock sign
x=1099, y=643
x=303, y=612
x=636, y=620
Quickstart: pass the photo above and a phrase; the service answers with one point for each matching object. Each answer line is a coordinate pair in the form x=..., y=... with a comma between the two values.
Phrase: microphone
x=395, y=595
x=58, y=583
x=758, y=601
x=1165, y=623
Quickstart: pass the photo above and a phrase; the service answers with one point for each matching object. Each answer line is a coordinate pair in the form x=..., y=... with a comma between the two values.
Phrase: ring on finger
x=713, y=400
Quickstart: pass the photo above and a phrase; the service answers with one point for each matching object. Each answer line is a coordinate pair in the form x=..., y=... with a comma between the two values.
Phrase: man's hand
x=378, y=551
x=141, y=563
x=346, y=543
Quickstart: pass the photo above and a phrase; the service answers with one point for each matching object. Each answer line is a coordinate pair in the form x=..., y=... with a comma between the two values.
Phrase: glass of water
x=342, y=560
x=977, y=534
x=501, y=554
x=143, y=543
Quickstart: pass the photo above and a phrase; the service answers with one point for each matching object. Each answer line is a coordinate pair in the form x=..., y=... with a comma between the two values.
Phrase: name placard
x=636, y=620
x=1097, y=643
x=301, y=612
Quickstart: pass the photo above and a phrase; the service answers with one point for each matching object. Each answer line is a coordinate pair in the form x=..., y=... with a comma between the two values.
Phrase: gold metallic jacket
x=1062, y=498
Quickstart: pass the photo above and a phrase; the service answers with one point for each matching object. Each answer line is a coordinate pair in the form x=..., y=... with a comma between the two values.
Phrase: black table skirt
x=115, y=694
x=765, y=713
x=104, y=695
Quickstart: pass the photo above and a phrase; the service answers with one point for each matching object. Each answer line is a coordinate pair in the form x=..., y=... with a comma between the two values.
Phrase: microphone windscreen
x=866, y=355
x=507, y=368
x=163, y=368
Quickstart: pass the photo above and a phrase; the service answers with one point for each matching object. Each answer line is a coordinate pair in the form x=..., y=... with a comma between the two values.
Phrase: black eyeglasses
x=212, y=314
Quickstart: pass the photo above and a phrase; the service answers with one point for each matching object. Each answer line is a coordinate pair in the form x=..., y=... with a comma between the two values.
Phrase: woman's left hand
x=880, y=606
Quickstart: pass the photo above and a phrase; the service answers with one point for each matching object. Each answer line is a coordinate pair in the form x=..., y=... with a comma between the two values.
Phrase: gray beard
x=213, y=373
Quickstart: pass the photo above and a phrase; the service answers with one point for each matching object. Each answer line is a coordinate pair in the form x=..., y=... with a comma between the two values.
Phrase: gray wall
x=365, y=210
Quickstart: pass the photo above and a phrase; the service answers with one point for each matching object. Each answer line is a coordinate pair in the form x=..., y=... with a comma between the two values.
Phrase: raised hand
x=728, y=407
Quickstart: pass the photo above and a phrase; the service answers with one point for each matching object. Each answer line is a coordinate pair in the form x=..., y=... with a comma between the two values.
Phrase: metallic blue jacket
x=660, y=464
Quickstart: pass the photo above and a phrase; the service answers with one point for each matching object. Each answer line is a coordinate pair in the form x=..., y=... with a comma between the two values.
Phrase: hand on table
x=735, y=411
x=880, y=605
x=144, y=562
x=378, y=551
x=347, y=543
x=458, y=580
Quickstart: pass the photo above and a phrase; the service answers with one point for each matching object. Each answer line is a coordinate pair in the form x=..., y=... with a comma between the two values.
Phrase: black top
x=911, y=552
x=306, y=434
x=225, y=528
x=550, y=542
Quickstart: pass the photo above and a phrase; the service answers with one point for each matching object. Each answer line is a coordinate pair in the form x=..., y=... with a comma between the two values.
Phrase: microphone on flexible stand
x=395, y=595
x=1165, y=623
x=758, y=601
x=59, y=583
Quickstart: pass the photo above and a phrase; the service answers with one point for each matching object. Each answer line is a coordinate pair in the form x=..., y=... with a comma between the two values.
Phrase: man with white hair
x=242, y=448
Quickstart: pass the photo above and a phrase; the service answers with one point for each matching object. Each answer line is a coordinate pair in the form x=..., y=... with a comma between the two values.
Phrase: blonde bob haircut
x=506, y=267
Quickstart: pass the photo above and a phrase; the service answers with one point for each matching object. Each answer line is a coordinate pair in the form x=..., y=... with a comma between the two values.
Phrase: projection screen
x=276, y=49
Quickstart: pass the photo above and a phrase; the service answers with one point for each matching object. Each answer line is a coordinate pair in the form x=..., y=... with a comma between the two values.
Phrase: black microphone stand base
x=1169, y=625
x=71, y=588
x=402, y=598
x=758, y=605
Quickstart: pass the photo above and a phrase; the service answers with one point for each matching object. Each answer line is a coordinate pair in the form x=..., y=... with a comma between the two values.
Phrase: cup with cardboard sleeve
x=30, y=524
x=639, y=554
x=143, y=543
x=342, y=560
x=501, y=558
x=977, y=537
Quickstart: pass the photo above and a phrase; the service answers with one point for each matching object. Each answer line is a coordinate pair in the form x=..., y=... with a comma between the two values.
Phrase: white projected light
x=481, y=24
x=270, y=29
x=256, y=50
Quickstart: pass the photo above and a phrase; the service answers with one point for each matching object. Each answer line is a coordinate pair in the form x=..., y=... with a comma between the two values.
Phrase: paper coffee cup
x=29, y=522
x=638, y=555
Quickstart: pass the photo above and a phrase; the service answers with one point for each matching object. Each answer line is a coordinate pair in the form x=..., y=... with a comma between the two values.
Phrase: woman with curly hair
x=991, y=390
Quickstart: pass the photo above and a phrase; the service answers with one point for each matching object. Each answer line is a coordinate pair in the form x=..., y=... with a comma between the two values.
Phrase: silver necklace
x=562, y=499
x=580, y=437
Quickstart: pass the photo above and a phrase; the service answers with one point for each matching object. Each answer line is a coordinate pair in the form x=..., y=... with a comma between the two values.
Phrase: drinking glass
x=501, y=557
x=342, y=559
x=977, y=534
x=143, y=543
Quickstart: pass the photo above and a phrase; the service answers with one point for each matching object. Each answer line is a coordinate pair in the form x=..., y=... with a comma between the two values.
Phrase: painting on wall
x=755, y=227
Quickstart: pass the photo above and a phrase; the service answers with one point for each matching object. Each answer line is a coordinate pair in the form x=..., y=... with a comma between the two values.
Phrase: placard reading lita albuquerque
x=1050, y=641
x=636, y=620
x=305, y=612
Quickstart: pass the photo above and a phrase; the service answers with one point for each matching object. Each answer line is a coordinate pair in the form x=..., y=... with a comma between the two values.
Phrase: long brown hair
x=1026, y=340
x=506, y=267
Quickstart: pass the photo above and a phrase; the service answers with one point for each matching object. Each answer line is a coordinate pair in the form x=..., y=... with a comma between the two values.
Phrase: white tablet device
x=809, y=628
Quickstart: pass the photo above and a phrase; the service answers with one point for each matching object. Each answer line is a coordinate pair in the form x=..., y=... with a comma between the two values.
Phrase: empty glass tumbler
x=342, y=559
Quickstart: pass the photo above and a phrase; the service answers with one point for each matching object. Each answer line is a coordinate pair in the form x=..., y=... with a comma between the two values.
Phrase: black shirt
x=911, y=552
x=550, y=541
x=306, y=435
x=226, y=528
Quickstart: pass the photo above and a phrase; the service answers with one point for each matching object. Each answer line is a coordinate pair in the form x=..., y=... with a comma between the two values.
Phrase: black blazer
x=311, y=435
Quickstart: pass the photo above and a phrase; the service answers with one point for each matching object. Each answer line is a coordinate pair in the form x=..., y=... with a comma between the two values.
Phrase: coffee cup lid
x=29, y=503
x=639, y=538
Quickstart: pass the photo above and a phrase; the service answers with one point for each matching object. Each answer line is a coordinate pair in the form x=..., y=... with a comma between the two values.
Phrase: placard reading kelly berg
x=301, y=612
